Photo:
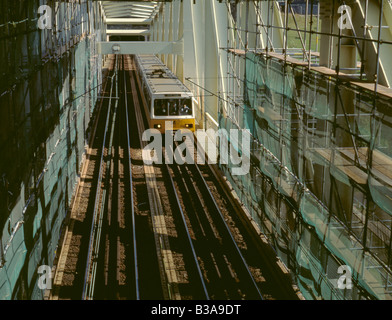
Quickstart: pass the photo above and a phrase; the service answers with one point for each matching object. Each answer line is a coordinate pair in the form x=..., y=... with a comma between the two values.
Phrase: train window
x=173, y=107
x=160, y=107
x=186, y=107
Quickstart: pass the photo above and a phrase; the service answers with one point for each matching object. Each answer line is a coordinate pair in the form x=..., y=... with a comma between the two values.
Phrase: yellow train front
x=168, y=101
x=172, y=114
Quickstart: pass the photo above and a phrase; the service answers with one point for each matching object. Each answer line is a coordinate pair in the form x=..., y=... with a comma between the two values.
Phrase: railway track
x=71, y=260
x=100, y=198
x=245, y=268
x=111, y=269
x=145, y=221
x=161, y=232
x=215, y=265
x=224, y=270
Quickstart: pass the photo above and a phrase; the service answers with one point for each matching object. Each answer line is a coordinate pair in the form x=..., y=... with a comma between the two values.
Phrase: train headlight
x=189, y=125
x=157, y=126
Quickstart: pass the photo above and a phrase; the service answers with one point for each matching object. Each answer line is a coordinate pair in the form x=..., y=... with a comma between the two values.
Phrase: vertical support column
x=251, y=23
x=333, y=51
x=194, y=35
x=326, y=41
x=180, y=35
x=161, y=30
x=211, y=61
x=169, y=31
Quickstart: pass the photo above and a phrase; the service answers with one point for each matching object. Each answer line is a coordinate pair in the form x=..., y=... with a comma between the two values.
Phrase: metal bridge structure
x=310, y=80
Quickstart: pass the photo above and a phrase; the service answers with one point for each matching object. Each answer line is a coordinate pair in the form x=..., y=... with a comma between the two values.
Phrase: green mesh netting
x=53, y=110
x=321, y=165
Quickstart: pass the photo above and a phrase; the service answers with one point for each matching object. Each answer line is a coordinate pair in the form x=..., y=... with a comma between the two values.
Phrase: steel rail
x=107, y=178
x=236, y=204
x=165, y=260
x=217, y=209
x=131, y=190
x=188, y=234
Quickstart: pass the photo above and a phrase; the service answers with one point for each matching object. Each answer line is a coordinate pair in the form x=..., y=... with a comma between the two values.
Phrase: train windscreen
x=173, y=107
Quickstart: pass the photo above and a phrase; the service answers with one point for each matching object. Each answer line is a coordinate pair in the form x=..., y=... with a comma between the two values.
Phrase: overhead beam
x=128, y=32
x=140, y=47
x=134, y=21
x=129, y=9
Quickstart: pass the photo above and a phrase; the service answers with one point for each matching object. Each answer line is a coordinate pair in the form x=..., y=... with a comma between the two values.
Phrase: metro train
x=167, y=98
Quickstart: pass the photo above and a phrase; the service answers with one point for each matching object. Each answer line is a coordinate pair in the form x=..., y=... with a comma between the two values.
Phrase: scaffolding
x=309, y=79
x=316, y=98
x=49, y=84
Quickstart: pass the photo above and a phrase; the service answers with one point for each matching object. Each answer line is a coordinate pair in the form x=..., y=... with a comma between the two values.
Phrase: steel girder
x=129, y=9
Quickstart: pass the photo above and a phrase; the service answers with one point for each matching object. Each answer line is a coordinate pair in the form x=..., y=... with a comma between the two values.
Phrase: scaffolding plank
x=344, y=165
x=385, y=91
x=381, y=163
x=286, y=58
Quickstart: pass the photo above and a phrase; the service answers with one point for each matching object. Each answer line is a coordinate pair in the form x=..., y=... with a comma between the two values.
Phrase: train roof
x=159, y=77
